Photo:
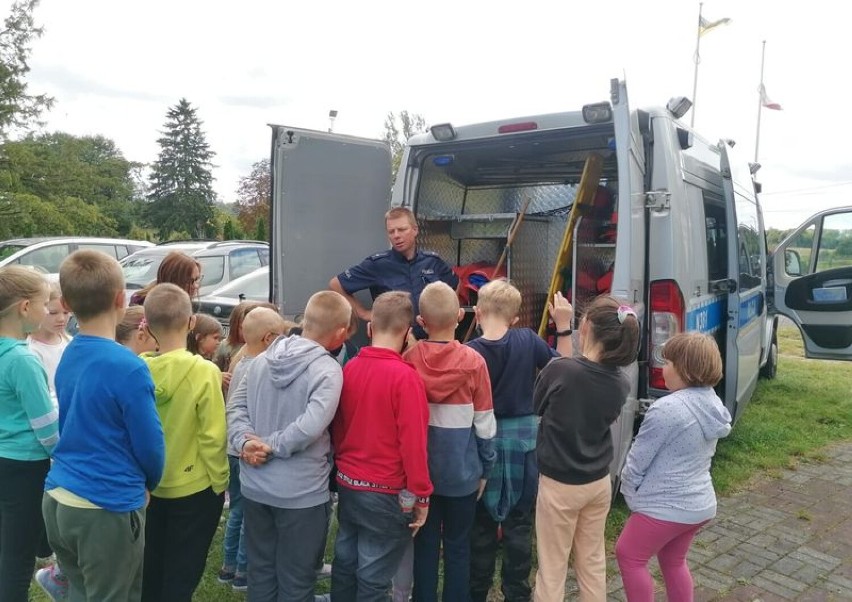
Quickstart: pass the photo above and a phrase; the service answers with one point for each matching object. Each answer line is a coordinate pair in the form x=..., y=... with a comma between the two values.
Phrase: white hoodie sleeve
x=239, y=423
x=656, y=429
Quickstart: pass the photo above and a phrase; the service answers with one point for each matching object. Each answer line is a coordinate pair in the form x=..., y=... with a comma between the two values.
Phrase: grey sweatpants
x=99, y=551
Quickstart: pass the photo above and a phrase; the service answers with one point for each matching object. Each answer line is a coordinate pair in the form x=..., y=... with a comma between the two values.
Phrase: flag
x=705, y=26
x=766, y=101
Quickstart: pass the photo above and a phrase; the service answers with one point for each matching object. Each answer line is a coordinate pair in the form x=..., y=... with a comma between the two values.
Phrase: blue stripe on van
x=707, y=317
x=750, y=308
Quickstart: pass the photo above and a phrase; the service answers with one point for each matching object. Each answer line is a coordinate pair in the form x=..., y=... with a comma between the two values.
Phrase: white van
x=631, y=203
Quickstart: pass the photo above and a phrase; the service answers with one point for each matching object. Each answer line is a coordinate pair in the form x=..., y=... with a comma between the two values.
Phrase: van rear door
x=812, y=271
x=746, y=281
x=329, y=193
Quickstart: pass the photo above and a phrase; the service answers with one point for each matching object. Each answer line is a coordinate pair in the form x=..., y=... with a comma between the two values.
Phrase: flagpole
x=759, y=101
x=696, y=59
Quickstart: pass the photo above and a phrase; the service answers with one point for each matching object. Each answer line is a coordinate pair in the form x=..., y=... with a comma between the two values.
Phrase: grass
x=789, y=419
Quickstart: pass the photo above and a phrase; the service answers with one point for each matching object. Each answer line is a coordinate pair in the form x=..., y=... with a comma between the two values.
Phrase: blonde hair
x=132, y=321
x=392, y=313
x=260, y=321
x=499, y=298
x=325, y=312
x=167, y=308
x=90, y=282
x=695, y=357
x=397, y=212
x=17, y=284
x=439, y=305
x=55, y=291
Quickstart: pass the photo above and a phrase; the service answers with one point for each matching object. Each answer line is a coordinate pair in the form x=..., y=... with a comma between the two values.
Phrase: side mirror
x=792, y=262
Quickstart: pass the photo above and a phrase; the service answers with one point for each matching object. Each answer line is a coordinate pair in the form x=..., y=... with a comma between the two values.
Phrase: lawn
x=789, y=419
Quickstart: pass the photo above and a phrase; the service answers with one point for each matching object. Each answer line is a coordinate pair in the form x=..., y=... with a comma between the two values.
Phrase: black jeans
x=178, y=533
x=517, y=555
x=21, y=525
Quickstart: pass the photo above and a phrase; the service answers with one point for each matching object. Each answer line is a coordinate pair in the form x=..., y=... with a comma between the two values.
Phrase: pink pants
x=644, y=537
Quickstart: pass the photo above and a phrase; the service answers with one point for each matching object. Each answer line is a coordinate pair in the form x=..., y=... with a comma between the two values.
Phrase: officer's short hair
x=439, y=305
x=499, y=298
x=392, y=313
x=326, y=312
x=405, y=212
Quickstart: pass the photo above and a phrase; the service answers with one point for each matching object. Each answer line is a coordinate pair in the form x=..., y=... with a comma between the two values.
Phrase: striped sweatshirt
x=29, y=424
x=461, y=415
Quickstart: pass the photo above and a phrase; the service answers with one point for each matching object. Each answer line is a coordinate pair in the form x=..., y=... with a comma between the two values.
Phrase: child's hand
x=420, y=514
x=226, y=379
x=561, y=311
x=255, y=451
x=482, y=484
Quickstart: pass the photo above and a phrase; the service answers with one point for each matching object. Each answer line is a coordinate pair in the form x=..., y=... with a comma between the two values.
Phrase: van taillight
x=667, y=310
x=524, y=126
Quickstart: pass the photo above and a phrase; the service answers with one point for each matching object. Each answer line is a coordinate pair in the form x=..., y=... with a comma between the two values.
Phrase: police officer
x=402, y=268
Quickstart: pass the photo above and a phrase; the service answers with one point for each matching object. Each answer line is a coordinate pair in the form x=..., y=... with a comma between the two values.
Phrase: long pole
x=696, y=59
x=759, y=101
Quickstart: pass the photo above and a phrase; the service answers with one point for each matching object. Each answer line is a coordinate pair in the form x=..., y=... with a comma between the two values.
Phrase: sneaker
x=324, y=572
x=225, y=575
x=240, y=583
x=53, y=584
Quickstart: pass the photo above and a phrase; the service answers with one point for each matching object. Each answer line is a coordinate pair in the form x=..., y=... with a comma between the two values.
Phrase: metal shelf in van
x=480, y=225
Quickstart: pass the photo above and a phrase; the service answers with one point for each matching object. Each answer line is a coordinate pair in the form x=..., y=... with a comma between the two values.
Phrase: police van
x=627, y=202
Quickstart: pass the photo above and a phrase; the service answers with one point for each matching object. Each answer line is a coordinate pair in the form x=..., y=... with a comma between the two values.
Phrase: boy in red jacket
x=379, y=438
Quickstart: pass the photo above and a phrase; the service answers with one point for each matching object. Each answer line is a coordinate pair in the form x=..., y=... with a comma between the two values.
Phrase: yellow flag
x=705, y=26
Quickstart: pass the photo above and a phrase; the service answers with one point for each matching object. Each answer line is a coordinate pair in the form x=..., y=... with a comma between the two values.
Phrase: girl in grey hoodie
x=666, y=478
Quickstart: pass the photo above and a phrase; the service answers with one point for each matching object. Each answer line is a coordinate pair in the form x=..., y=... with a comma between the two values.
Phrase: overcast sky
x=115, y=67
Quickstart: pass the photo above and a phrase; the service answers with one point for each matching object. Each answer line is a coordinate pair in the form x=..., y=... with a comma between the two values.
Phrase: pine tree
x=260, y=229
x=181, y=184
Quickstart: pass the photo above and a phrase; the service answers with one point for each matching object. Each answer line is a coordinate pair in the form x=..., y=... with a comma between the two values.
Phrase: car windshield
x=8, y=250
x=254, y=286
x=139, y=270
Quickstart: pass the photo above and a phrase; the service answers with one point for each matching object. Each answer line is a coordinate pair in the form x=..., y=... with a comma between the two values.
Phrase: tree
x=260, y=229
x=181, y=195
x=253, y=195
x=18, y=108
x=398, y=129
x=231, y=230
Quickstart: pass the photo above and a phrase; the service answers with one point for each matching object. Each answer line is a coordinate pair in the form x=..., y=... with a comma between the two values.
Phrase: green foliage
x=398, y=129
x=231, y=230
x=260, y=229
x=18, y=108
x=181, y=184
x=253, y=196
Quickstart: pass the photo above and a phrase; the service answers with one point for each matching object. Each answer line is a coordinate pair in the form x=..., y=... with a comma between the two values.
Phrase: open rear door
x=812, y=269
x=329, y=195
x=747, y=309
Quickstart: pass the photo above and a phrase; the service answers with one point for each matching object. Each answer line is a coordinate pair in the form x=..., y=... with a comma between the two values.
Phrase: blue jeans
x=450, y=522
x=234, y=543
x=371, y=538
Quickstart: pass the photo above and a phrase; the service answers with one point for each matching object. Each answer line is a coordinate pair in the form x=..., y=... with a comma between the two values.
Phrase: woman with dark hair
x=177, y=268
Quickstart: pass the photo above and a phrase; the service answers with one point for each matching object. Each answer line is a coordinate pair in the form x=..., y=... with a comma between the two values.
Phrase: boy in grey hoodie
x=666, y=478
x=278, y=418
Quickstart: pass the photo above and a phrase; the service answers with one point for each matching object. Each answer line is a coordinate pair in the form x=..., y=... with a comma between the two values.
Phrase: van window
x=835, y=244
x=243, y=261
x=46, y=258
x=748, y=244
x=716, y=238
x=801, y=247
x=96, y=246
x=212, y=269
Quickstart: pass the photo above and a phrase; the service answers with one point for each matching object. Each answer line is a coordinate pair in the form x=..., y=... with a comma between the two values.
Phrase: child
x=111, y=450
x=260, y=328
x=666, y=478
x=279, y=416
x=28, y=428
x=50, y=340
x=186, y=507
x=460, y=446
x=379, y=436
x=205, y=337
x=578, y=399
x=231, y=344
x=132, y=331
x=513, y=356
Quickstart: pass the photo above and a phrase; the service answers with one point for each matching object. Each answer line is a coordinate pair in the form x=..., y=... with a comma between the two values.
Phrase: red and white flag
x=766, y=101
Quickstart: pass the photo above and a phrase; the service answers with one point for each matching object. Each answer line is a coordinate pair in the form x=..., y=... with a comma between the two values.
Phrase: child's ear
x=419, y=320
x=118, y=302
x=192, y=320
x=515, y=321
x=461, y=315
x=369, y=330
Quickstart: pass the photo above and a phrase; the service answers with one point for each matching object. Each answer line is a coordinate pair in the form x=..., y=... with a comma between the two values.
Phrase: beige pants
x=569, y=516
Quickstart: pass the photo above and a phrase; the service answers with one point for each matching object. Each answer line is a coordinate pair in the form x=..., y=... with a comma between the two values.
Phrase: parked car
x=47, y=253
x=222, y=301
x=221, y=261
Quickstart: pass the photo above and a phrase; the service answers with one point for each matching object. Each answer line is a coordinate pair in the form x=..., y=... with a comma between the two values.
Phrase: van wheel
x=770, y=370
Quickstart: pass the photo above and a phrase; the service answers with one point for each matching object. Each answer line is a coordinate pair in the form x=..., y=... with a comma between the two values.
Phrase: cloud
x=254, y=102
x=71, y=85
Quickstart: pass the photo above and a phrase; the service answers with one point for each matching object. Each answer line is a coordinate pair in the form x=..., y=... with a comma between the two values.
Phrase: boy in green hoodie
x=186, y=506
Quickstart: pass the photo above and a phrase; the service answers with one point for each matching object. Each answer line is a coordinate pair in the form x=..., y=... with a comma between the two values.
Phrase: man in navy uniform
x=402, y=268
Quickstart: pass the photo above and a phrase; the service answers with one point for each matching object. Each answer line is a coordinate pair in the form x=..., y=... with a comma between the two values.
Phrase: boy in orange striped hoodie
x=460, y=447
